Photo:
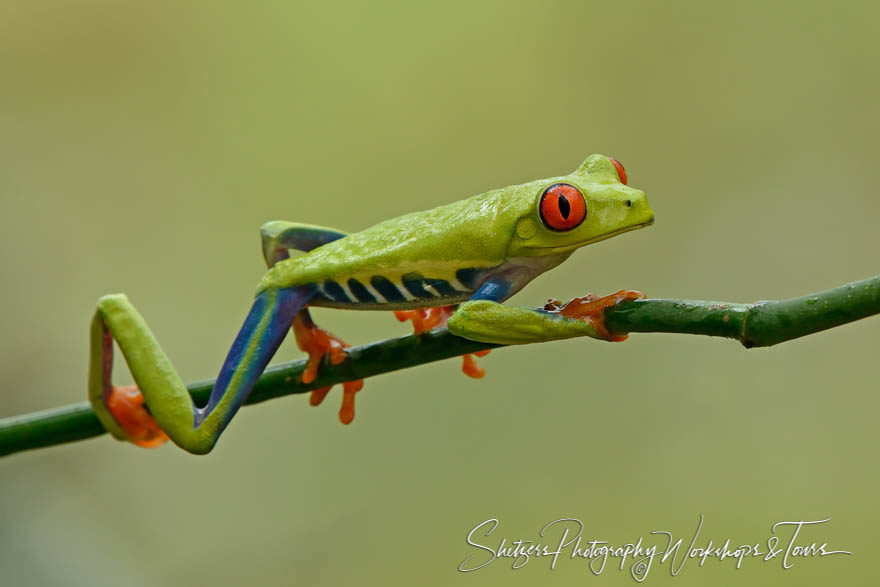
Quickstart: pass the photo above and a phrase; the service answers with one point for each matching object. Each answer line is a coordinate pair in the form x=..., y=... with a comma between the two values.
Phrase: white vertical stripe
x=454, y=282
x=379, y=297
x=403, y=291
x=351, y=298
x=348, y=292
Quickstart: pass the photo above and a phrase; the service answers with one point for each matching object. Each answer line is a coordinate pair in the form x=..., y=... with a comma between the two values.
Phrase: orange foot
x=425, y=319
x=591, y=308
x=469, y=365
x=127, y=406
x=317, y=343
x=349, y=388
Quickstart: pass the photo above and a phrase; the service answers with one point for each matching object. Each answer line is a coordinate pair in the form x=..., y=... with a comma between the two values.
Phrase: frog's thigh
x=279, y=236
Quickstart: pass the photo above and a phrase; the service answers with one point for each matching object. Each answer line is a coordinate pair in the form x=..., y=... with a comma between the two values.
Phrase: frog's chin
x=572, y=246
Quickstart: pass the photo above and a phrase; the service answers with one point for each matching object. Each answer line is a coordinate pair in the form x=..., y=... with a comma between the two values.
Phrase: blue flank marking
x=468, y=277
x=280, y=306
x=495, y=290
x=415, y=284
x=335, y=291
x=388, y=290
x=443, y=287
x=360, y=292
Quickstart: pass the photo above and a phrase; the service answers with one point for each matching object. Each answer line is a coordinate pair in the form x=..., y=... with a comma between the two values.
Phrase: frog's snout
x=638, y=210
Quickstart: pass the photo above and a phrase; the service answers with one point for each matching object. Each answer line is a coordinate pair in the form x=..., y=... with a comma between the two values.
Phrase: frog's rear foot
x=126, y=404
x=425, y=319
x=349, y=388
x=317, y=342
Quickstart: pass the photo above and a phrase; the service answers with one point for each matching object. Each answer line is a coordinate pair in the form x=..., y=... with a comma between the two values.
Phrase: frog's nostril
x=629, y=203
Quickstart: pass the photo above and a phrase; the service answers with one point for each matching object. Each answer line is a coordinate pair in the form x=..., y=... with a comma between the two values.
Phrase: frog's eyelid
x=621, y=172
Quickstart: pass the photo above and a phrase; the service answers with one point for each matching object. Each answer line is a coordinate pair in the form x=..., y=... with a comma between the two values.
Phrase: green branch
x=754, y=325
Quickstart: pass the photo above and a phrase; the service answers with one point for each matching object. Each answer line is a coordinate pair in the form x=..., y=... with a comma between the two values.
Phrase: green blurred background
x=143, y=144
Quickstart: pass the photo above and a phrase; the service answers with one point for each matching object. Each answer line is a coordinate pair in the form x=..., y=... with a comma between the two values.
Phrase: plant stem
x=754, y=325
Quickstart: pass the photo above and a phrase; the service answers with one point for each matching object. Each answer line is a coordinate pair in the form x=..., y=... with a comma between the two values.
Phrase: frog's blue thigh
x=263, y=330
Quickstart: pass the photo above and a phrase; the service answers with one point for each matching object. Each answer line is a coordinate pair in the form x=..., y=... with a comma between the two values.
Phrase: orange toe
x=470, y=367
x=414, y=315
x=317, y=343
x=349, y=388
x=425, y=319
x=592, y=309
x=318, y=395
x=126, y=403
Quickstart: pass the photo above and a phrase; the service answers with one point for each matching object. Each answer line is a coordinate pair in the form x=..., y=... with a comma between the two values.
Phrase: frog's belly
x=402, y=293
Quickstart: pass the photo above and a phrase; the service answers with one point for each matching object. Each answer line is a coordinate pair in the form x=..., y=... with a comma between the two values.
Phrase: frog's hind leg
x=424, y=319
x=166, y=406
x=319, y=343
x=279, y=237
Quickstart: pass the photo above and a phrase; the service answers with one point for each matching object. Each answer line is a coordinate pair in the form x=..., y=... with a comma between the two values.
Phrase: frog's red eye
x=562, y=207
x=621, y=172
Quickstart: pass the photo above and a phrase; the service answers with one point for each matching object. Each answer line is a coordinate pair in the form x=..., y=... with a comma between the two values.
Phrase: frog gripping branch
x=454, y=264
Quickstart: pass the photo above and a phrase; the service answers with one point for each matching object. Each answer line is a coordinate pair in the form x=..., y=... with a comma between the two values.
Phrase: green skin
x=498, y=239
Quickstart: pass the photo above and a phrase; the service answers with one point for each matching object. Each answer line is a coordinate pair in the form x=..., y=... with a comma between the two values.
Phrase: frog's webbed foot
x=591, y=308
x=349, y=388
x=424, y=319
x=161, y=404
x=126, y=404
x=470, y=367
x=317, y=343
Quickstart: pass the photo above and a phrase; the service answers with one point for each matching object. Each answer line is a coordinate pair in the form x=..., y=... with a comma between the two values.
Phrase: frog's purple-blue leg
x=279, y=237
x=164, y=393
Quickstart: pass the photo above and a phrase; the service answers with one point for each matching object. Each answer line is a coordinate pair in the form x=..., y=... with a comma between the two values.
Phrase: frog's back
x=428, y=258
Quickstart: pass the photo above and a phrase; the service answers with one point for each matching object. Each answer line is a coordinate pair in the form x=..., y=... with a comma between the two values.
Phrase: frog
x=452, y=266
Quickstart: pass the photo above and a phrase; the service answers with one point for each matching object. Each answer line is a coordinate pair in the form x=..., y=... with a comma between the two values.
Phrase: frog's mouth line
x=598, y=238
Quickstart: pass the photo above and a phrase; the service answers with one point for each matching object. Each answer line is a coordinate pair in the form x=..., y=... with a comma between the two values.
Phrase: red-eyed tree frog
x=454, y=264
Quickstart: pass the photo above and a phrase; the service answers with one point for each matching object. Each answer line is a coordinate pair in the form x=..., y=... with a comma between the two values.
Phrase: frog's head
x=589, y=205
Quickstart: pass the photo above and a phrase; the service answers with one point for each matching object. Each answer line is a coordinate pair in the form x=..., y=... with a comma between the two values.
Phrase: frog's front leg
x=485, y=319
